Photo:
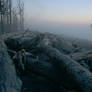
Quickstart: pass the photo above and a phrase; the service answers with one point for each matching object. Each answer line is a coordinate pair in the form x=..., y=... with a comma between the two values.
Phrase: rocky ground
x=53, y=63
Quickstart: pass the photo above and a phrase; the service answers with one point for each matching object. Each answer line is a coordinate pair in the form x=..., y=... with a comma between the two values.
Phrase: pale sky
x=69, y=17
x=59, y=11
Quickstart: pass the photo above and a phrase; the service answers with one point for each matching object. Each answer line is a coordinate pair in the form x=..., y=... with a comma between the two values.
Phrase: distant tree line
x=11, y=17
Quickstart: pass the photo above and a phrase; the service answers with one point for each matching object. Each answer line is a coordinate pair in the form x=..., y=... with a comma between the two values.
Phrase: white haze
x=79, y=31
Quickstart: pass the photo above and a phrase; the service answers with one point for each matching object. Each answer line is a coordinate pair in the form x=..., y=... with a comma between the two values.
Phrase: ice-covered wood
x=71, y=72
x=9, y=81
x=82, y=55
x=66, y=71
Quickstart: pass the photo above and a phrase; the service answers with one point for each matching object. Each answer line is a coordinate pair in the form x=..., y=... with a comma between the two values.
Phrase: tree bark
x=82, y=55
x=71, y=72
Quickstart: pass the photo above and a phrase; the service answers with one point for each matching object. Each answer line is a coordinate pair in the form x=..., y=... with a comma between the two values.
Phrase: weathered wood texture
x=71, y=72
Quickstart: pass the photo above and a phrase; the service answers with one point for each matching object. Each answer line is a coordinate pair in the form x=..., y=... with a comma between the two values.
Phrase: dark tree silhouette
x=11, y=18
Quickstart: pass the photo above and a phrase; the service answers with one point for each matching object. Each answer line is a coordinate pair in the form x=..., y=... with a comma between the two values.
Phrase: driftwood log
x=72, y=75
x=9, y=81
x=44, y=69
x=84, y=58
x=71, y=72
x=82, y=55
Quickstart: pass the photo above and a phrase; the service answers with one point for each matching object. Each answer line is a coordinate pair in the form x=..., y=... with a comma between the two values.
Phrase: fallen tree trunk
x=9, y=81
x=44, y=69
x=45, y=75
x=82, y=55
x=72, y=73
x=84, y=58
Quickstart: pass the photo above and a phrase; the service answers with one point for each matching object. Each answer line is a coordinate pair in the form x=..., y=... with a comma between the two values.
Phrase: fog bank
x=79, y=31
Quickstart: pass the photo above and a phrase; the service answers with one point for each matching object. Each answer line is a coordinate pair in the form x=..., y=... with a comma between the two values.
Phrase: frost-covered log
x=9, y=81
x=30, y=39
x=72, y=73
x=44, y=69
x=82, y=55
x=84, y=58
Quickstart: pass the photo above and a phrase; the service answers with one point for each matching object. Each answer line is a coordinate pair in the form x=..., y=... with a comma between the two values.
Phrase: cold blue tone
x=70, y=17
